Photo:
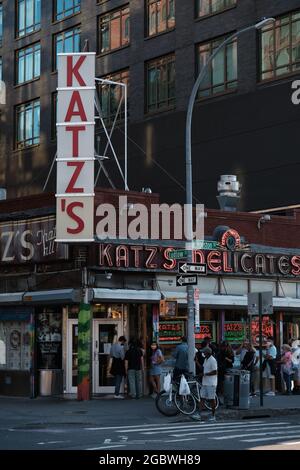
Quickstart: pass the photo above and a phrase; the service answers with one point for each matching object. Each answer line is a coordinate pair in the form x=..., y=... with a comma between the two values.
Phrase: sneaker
x=212, y=418
x=270, y=394
x=119, y=396
x=153, y=395
x=196, y=416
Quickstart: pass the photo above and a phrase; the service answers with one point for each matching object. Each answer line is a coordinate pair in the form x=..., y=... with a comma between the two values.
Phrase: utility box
x=237, y=389
x=51, y=382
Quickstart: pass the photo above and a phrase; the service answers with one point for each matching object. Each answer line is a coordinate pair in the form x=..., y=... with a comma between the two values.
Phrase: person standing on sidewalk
x=209, y=384
x=269, y=365
x=182, y=359
x=248, y=364
x=155, y=369
x=134, y=366
x=287, y=367
x=117, y=352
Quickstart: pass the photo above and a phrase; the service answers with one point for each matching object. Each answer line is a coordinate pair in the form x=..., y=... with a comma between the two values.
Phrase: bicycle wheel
x=208, y=405
x=166, y=406
x=185, y=403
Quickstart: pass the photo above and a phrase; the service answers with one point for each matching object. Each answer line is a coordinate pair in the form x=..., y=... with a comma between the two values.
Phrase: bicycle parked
x=171, y=403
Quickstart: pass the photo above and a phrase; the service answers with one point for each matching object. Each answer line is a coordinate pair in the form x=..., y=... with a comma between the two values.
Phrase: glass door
x=105, y=333
x=72, y=357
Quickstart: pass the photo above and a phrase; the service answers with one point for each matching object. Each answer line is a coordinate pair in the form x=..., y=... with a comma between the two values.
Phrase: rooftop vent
x=229, y=190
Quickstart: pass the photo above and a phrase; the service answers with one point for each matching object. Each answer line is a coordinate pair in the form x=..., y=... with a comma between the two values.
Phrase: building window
x=160, y=16
x=67, y=41
x=65, y=8
x=28, y=63
x=111, y=95
x=160, y=83
x=1, y=23
x=28, y=124
x=221, y=76
x=114, y=30
x=211, y=7
x=280, y=47
x=28, y=16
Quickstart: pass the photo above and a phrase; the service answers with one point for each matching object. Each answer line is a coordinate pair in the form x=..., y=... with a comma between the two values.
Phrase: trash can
x=237, y=389
x=51, y=382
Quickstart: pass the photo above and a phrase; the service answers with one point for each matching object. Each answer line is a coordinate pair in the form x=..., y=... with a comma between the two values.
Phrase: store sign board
x=30, y=241
x=170, y=332
x=266, y=303
x=206, y=330
x=267, y=329
x=234, y=332
x=75, y=147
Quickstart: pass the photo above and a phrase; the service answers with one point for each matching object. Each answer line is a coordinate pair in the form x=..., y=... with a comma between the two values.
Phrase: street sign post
x=178, y=254
x=197, y=307
x=186, y=280
x=259, y=304
x=193, y=268
x=206, y=244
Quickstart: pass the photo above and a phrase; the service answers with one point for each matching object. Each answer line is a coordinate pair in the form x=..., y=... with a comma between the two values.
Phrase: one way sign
x=193, y=268
x=186, y=280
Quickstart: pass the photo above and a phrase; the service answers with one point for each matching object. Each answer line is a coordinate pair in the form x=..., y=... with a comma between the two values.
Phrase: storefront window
x=15, y=345
x=49, y=340
x=113, y=311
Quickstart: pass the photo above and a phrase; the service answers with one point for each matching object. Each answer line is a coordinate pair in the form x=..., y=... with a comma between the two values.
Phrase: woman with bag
x=155, y=369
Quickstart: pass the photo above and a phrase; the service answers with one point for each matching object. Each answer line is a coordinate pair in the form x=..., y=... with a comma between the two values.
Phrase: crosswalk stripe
x=153, y=426
x=226, y=431
x=269, y=431
x=106, y=447
x=187, y=426
x=216, y=427
x=270, y=438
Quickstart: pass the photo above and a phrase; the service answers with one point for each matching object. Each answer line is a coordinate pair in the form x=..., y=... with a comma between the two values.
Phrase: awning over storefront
x=11, y=298
x=234, y=301
x=52, y=296
x=127, y=295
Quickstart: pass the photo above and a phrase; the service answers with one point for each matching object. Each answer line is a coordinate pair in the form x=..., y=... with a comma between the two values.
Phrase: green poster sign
x=84, y=346
x=234, y=331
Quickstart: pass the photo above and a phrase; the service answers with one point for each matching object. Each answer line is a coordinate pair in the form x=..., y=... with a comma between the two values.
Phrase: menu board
x=170, y=332
x=206, y=330
x=234, y=332
x=49, y=340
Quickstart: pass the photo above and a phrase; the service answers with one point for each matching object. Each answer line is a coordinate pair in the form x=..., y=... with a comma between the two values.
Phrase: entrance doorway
x=105, y=333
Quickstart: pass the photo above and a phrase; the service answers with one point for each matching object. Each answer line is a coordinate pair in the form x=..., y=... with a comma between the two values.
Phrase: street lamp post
x=189, y=182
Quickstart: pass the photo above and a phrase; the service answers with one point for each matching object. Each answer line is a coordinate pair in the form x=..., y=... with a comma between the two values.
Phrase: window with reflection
x=28, y=124
x=222, y=75
x=28, y=63
x=160, y=83
x=160, y=16
x=65, y=8
x=280, y=47
x=67, y=41
x=211, y=7
x=28, y=16
x=114, y=30
x=112, y=97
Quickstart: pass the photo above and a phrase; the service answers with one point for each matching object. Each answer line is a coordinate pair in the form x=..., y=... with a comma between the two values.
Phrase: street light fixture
x=189, y=181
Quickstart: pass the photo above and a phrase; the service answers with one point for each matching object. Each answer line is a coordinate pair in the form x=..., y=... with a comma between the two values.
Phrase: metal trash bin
x=237, y=389
x=51, y=382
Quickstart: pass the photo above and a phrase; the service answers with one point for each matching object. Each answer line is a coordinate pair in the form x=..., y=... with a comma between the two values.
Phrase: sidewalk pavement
x=106, y=411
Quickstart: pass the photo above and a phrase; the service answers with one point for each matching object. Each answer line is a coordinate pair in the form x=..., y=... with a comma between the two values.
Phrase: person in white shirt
x=209, y=381
x=269, y=366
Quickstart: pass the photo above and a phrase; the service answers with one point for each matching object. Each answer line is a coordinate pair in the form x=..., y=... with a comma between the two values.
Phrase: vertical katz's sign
x=75, y=147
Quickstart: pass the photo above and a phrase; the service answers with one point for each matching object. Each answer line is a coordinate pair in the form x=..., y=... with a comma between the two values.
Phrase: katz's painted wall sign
x=75, y=147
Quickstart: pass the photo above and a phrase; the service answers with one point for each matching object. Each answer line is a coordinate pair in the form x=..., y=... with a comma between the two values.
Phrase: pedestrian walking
x=155, y=369
x=134, y=366
x=117, y=352
x=269, y=365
